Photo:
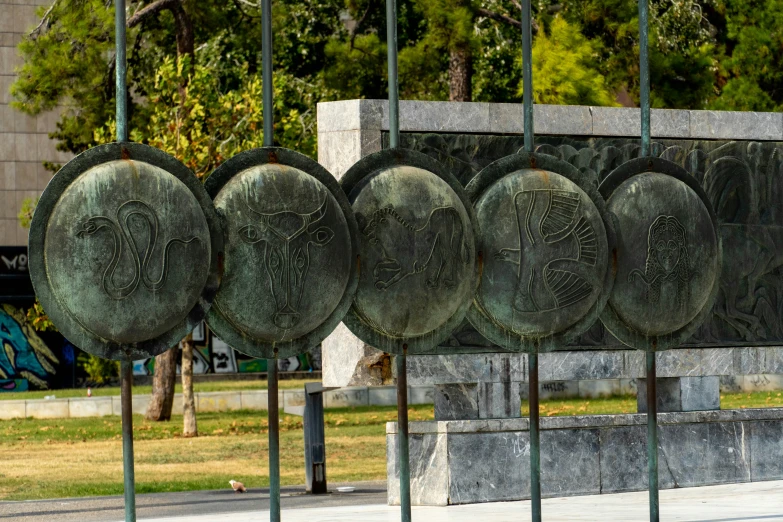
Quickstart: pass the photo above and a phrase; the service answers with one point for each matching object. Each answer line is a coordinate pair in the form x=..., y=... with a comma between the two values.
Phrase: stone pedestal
x=486, y=400
x=462, y=462
x=681, y=394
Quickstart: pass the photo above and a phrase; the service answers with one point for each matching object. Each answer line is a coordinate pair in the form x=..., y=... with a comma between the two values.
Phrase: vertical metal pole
x=126, y=367
x=644, y=78
x=274, y=440
x=652, y=437
x=266, y=72
x=394, y=92
x=535, y=444
x=126, y=399
x=402, y=436
x=652, y=404
x=527, y=75
x=120, y=71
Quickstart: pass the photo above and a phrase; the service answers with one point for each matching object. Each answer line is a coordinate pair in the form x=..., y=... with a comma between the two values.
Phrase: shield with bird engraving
x=547, y=241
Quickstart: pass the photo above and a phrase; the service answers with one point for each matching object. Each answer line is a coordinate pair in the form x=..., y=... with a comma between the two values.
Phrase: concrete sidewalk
x=760, y=501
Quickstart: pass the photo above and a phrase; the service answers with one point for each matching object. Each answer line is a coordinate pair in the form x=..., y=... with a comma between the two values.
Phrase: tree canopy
x=201, y=100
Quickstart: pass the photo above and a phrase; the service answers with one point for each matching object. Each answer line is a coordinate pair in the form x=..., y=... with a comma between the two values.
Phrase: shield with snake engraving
x=546, y=240
x=669, y=256
x=124, y=248
x=290, y=262
x=417, y=248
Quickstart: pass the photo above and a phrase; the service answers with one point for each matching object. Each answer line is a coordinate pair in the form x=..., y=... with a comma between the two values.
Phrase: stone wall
x=467, y=136
x=291, y=401
x=24, y=140
x=462, y=462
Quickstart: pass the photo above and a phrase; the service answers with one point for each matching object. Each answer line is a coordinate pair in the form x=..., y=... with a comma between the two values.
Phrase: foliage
x=38, y=319
x=753, y=73
x=25, y=215
x=99, y=370
x=66, y=63
x=565, y=68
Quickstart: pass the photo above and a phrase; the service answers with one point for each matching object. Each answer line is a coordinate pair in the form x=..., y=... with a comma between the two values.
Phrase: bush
x=99, y=371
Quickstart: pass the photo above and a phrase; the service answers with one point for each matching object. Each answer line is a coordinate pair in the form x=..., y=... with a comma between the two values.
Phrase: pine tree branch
x=154, y=8
x=35, y=33
x=500, y=17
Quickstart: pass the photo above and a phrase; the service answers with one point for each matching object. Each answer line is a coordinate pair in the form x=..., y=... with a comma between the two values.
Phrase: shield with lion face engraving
x=669, y=256
x=418, y=251
x=124, y=249
x=290, y=262
x=547, y=240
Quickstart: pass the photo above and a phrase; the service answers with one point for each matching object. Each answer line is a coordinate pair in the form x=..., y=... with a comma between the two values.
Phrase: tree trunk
x=190, y=428
x=163, y=381
x=460, y=75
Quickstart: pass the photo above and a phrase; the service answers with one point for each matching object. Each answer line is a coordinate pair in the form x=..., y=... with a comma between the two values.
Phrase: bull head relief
x=287, y=237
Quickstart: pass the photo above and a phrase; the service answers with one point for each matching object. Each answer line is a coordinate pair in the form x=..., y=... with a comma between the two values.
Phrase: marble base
x=471, y=461
x=681, y=394
x=486, y=400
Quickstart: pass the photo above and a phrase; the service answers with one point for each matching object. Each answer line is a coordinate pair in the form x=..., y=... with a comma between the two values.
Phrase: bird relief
x=133, y=218
x=667, y=263
x=430, y=250
x=557, y=246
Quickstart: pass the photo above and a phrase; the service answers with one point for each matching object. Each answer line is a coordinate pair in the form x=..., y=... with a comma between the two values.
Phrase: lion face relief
x=667, y=242
x=667, y=260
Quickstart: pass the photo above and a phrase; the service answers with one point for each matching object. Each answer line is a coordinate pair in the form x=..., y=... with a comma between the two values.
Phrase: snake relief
x=140, y=253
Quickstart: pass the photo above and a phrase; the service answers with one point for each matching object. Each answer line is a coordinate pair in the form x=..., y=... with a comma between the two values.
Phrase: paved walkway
x=756, y=502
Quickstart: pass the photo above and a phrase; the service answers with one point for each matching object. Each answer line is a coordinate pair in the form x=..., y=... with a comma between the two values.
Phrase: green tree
x=565, y=70
x=683, y=52
x=752, y=76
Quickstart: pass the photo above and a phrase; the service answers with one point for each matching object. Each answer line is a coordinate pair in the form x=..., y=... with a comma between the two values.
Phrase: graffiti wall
x=26, y=361
x=212, y=355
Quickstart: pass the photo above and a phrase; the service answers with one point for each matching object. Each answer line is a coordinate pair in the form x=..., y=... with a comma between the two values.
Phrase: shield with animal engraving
x=418, y=251
x=291, y=252
x=669, y=255
x=547, y=241
x=124, y=248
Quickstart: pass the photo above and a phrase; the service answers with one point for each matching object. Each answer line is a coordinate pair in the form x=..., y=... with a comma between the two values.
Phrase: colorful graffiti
x=212, y=355
x=25, y=359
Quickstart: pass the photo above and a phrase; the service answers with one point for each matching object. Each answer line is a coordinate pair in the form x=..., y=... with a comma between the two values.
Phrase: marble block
x=471, y=461
x=456, y=401
x=681, y=394
x=499, y=400
x=428, y=462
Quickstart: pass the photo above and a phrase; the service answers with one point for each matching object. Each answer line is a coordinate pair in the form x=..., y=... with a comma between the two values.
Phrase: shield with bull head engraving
x=290, y=262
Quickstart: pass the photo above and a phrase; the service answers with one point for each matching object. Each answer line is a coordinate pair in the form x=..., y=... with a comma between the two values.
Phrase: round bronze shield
x=417, y=247
x=290, y=267
x=547, y=242
x=669, y=256
x=124, y=248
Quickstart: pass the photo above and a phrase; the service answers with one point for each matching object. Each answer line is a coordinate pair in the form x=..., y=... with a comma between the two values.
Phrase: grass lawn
x=83, y=457
x=283, y=384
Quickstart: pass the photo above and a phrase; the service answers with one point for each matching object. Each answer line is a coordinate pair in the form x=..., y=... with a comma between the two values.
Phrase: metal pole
x=121, y=71
x=527, y=74
x=652, y=437
x=274, y=440
x=402, y=436
x=126, y=399
x=535, y=444
x=394, y=93
x=644, y=78
x=266, y=72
